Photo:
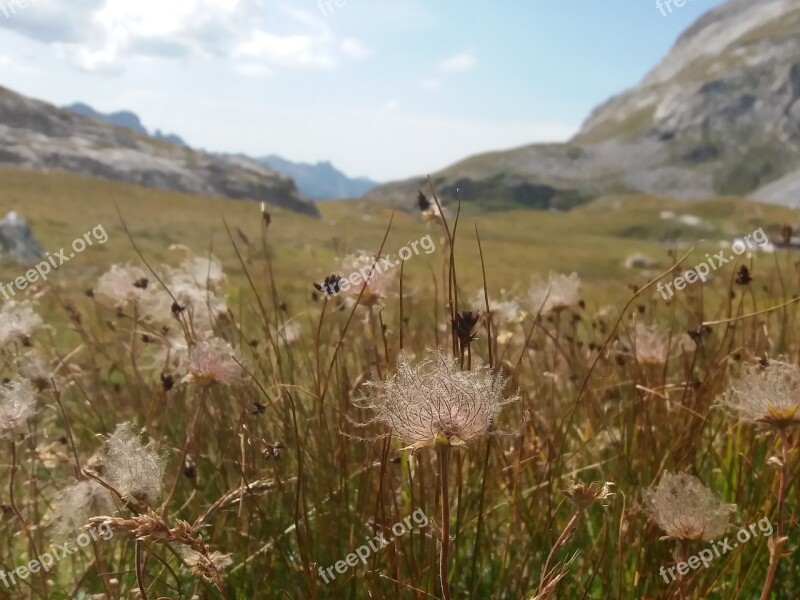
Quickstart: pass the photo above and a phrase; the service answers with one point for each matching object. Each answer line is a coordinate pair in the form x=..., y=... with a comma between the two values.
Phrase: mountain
x=41, y=136
x=123, y=118
x=321, y=181
x=719, y=115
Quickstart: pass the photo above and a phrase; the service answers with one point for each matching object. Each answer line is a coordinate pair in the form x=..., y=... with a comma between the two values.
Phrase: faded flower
x=434, y=402
x=686, y=509
x=370, y=270
x=17, y=405
x=650, y=345
x=213, y=361
x=122, y=284
x=74, y=505
x=583, y=495
x=18, y=321
x=556, y=294
x=134, y=469
x=765, y=394
x=206, y=567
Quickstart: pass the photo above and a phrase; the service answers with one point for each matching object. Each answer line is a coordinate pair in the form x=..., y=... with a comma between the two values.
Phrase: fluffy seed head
x=434, y=402
x=122, y=284
x=769, y=394
x=17, y=405
x=18, y=321
x=206, y=567
x=212, y=362
x=556, y=294
x=379, y=282
x=650, y=345
x=134, y=469
x=74, y=505
x=686, y=509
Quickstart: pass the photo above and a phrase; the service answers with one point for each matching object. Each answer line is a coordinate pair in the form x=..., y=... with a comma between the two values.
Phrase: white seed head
x=686, y=509
x=768, y=394
x=134, y=469
x=17, y=405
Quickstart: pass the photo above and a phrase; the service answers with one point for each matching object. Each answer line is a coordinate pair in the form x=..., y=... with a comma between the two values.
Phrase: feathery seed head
x=434, y=402
x=768, y=394
x=18, y=321
x=17, y=405
x=134, y=469
x=378, y=282
x=74, y=505
x=559, y=292
x=650, y=345
x=214, y=361
x=686, y=509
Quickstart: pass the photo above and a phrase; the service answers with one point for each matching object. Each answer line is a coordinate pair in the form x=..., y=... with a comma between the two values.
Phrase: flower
x=74, y=505
x=122, y=284
x=213, y=361
x=559, y=292
x=583, y=495
x=768, y=394
x=505, y=312
x=687, y=510
x=434, y=402
x=18, y=321
x=206, y=567
x=378, y=282
x=650, y=346
x=134, y=469
x=17, y=405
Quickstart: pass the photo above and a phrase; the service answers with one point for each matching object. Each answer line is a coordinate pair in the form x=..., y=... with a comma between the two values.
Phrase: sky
x=386, y=89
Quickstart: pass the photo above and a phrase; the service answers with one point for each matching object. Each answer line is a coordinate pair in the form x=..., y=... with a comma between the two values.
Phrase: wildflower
x=378, y=282
x=583, y=495
x=560, y=292
x=213, y=361
x=119, y=284
x=329, y=287
x=203, y=272
x=32, y=365
x=134, y=469
x=650, y=346
x=17, y=405
x=288, y=333
x=74, y=505
x=434, y=402
x=767, y=394
x=206, y=567
x=464, y=325
x=687, y=510
x=505, y=312
x=18, y=321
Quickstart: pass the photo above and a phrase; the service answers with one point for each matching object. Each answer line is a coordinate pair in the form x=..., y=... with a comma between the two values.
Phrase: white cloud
x=457, y=63
x=392, y=106
x=106, y=35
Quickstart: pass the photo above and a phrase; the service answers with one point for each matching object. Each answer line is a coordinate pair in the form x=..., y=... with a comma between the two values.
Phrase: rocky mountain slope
x=38, y=135
x=124, y=118
x=321, y=181
x=719, y=115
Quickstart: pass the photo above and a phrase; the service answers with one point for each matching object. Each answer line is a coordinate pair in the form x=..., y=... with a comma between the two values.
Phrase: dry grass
x=264, y=472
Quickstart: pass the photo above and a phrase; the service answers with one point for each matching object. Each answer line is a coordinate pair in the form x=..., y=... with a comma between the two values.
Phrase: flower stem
x=775, y=550
x=443, y=451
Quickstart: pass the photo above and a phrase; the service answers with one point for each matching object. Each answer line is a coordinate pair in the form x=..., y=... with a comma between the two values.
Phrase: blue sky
x=382, y=88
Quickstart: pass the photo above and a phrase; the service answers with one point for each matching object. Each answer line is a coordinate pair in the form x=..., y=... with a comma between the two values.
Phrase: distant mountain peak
x=123, y=118
x=319, y=181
